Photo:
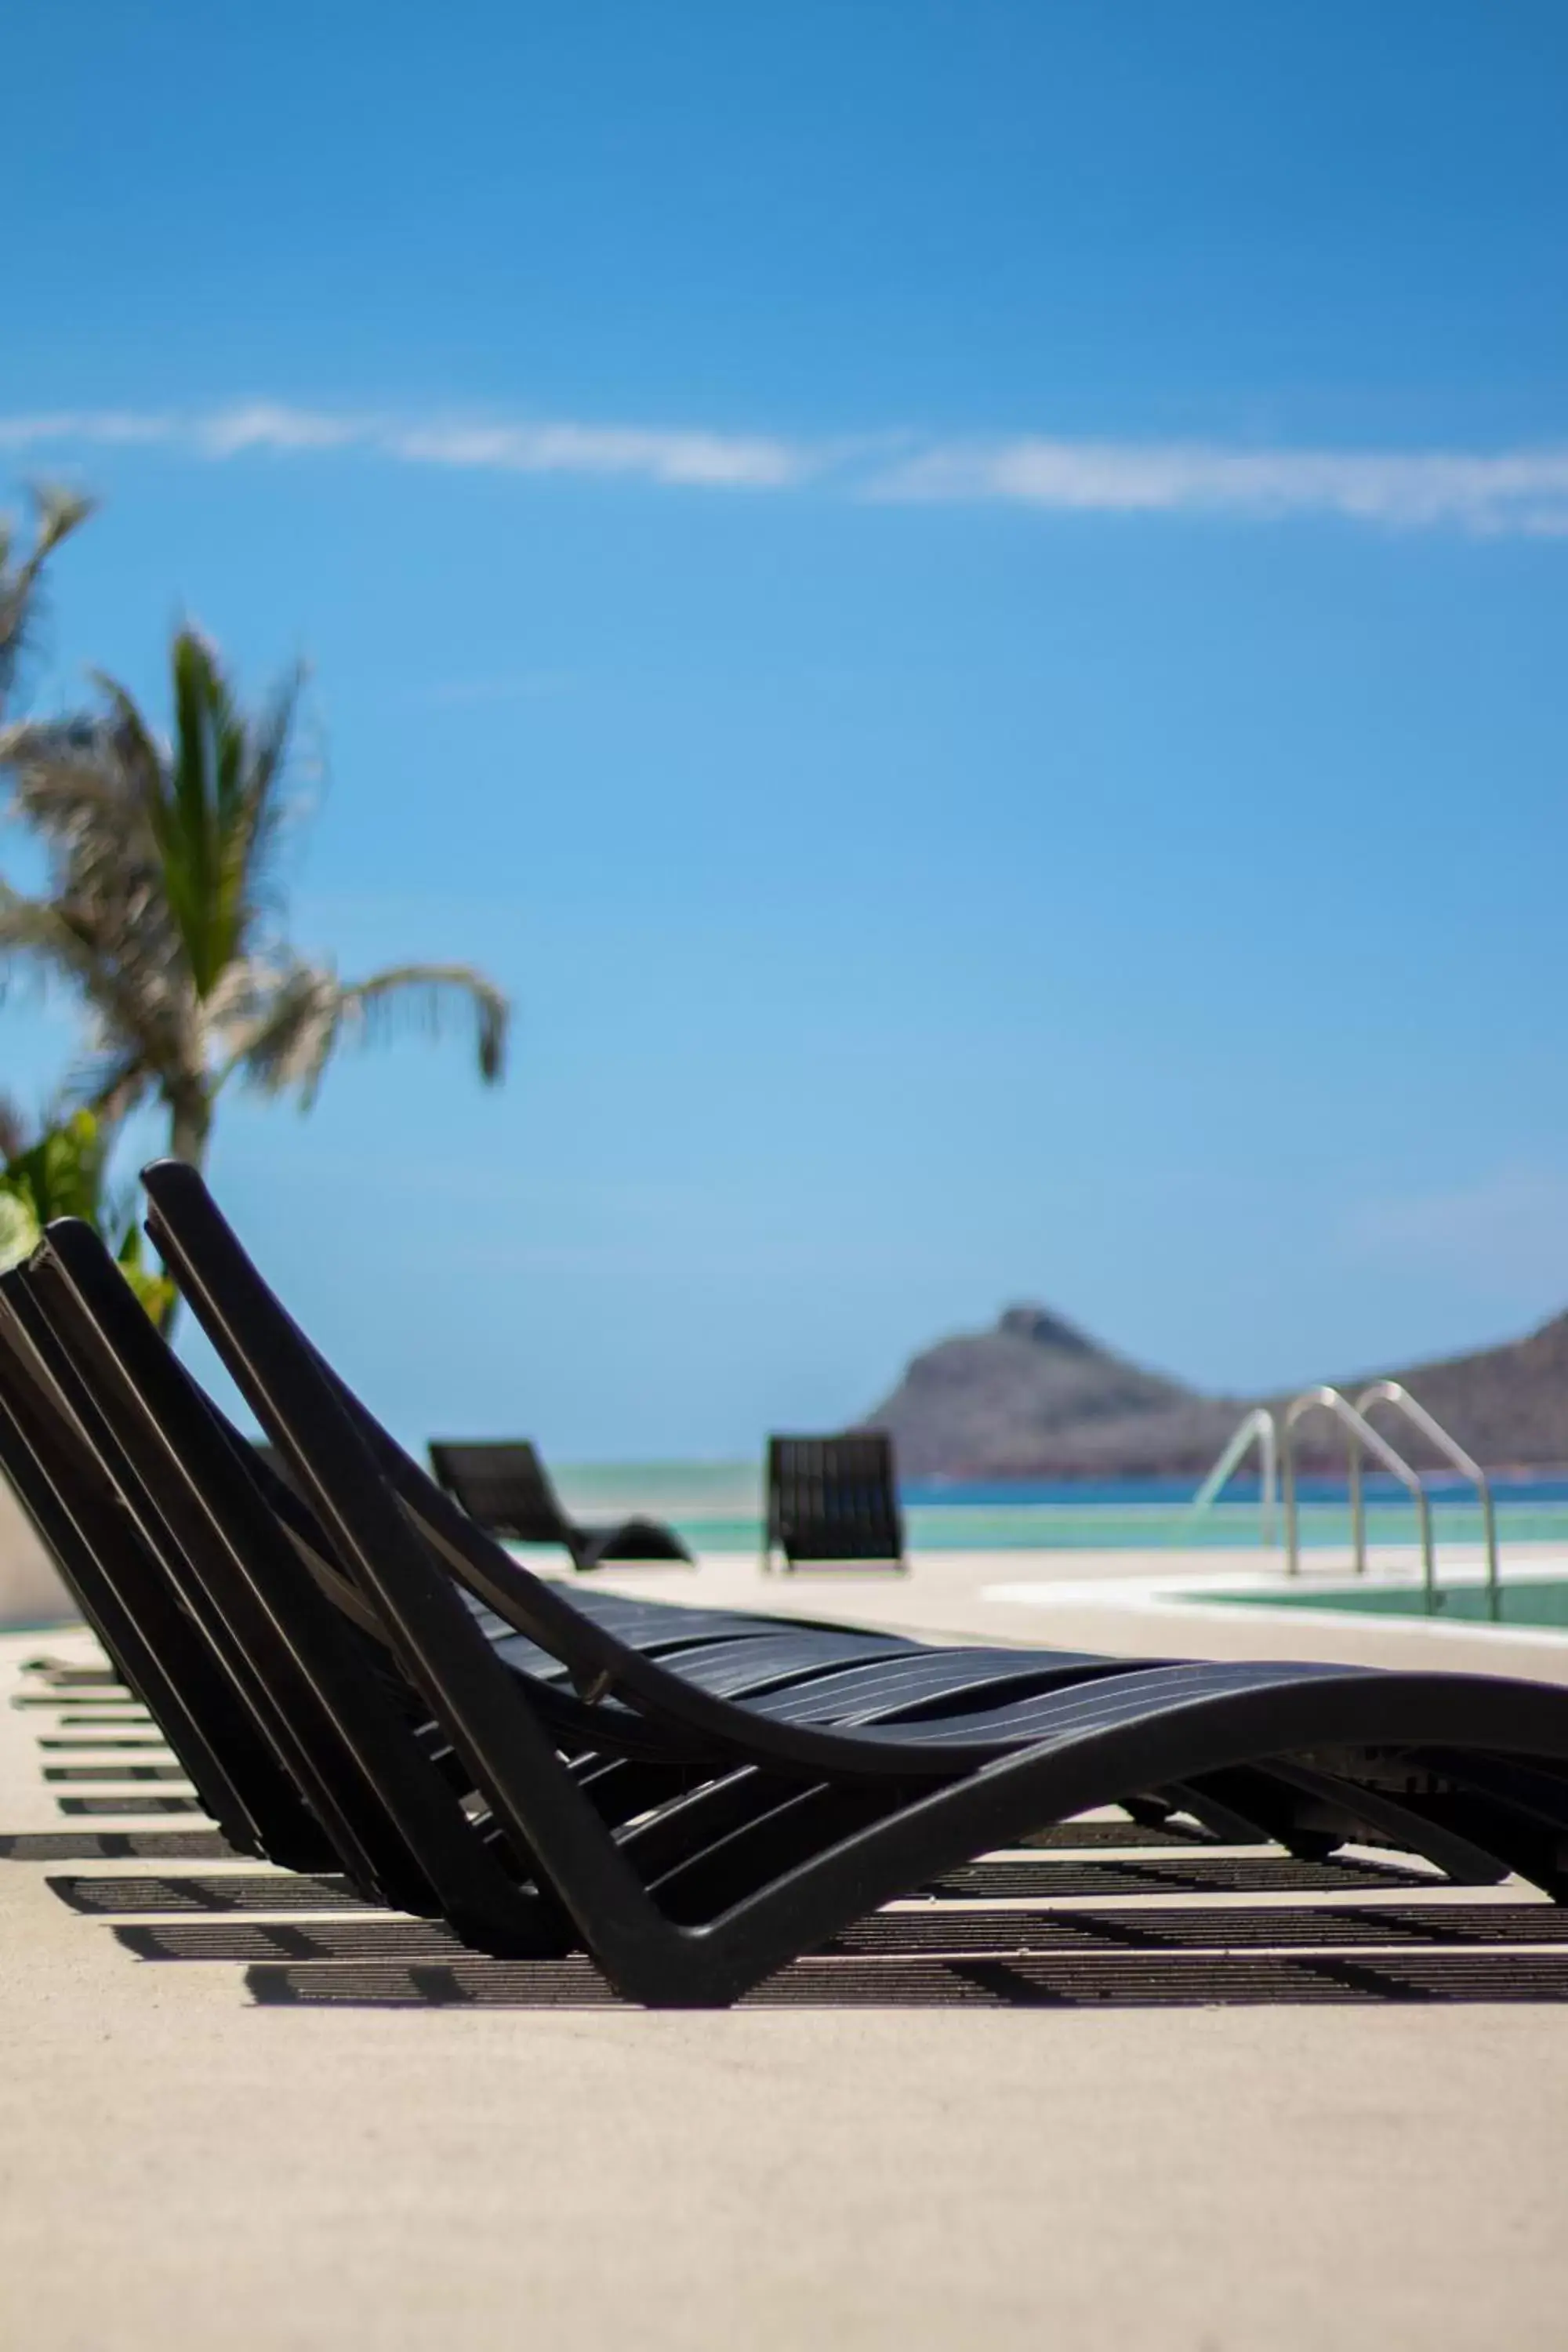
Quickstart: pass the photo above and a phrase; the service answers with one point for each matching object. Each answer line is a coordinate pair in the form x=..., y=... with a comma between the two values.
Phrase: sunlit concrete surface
x=181, y=2163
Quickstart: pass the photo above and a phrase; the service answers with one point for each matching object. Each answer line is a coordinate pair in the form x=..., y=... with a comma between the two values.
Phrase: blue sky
x=966, y=603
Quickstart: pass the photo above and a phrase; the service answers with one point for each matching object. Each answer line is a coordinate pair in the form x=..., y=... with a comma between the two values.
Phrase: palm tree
x=56, y=514
x=159, y=910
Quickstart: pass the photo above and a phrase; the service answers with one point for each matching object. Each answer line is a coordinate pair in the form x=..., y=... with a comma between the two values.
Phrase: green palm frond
x=286, y=1035
x=139, y=1029
x=280, y=1029
x=214, y=803
x=269, y=748
x=57, y=513
x=76, y=785
x=36, y=928
x=427, y=993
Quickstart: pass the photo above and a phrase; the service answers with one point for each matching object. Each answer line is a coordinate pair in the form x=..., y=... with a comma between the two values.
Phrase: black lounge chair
x=92, y=1522
x=279, y=1767
x=834, y=1500
x=487, y=1928
x=505, y=1487
x=694, y=1840
x=275, y=1706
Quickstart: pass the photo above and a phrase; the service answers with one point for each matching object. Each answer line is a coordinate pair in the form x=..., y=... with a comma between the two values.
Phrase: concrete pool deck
x=183, y=2158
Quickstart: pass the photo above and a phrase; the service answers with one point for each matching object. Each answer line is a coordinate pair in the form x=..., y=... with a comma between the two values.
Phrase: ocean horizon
x=717, y=1507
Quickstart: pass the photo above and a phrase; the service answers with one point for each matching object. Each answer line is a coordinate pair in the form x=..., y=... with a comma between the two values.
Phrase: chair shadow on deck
x=934, y=1955
x=114, y=1845
x=1172, y=1876
x=915, y=1982
x=120, y=1807
x=226, y=1892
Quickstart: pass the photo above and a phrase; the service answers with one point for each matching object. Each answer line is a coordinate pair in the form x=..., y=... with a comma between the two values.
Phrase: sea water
x=716, y=1508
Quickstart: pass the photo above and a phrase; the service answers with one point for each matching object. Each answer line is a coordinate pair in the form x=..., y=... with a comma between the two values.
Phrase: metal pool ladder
x=1275, y=1436
x=1259, y=1426
x=1393, y=1392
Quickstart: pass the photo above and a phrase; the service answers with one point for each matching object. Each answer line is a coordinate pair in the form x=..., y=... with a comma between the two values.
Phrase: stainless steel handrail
x=1360, y=1432
x=1396, y=1394
x=1258, y=1425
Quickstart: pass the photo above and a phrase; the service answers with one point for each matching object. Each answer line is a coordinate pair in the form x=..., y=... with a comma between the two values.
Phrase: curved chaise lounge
x=505, y=1487
x=153, y=1559
x=694, y=1822
x=154, y=1506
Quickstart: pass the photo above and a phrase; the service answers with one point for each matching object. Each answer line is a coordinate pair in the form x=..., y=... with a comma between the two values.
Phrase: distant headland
x=1035, y=1397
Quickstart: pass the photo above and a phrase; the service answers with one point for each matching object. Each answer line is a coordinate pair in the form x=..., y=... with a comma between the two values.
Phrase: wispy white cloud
x=1518, y=492
x=709, y=460
x=267, y=425
x=705, y=459
x=92, y=427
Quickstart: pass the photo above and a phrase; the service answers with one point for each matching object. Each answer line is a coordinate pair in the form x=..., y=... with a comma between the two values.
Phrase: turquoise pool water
x=1525, y=1600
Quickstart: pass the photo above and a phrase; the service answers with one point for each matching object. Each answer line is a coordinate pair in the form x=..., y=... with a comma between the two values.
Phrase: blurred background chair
x=504, y=1485
x=834, y=1500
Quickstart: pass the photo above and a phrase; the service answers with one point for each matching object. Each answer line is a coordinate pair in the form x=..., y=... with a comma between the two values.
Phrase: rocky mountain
x=1508, y=1405
x=1036, y=1398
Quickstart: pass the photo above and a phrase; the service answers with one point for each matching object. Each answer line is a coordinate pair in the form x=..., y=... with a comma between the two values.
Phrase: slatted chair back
x=834, y=1498
x=156, y=1644
x=311, y=1676
x=504, y=1486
